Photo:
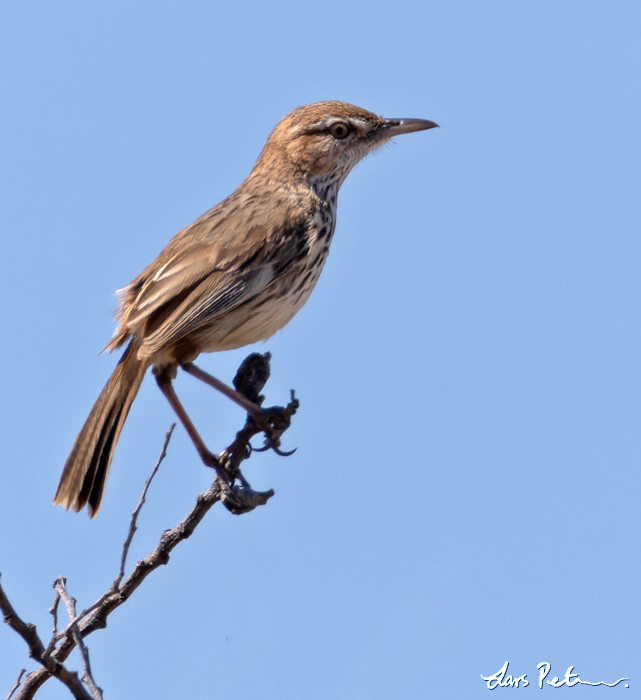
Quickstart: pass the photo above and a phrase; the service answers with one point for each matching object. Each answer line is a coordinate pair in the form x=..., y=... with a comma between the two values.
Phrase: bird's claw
x=258, y=449
x=282, y=453
x=274, y=422
x=276, y=448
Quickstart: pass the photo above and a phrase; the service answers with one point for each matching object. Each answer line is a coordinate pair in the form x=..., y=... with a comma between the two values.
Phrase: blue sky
x=465, y=490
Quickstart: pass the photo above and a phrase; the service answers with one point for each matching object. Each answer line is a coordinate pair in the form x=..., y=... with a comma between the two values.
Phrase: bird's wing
x=201, y=305
x=196, y=280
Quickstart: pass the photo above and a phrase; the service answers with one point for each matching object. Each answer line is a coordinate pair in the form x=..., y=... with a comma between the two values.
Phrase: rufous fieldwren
x=235, y=276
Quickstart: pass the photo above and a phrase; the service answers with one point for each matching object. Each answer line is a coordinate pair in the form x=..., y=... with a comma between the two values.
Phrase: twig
x=141, y=503
x=53, y=611
x=16, y=685
x=57, y=636
x=70, y=604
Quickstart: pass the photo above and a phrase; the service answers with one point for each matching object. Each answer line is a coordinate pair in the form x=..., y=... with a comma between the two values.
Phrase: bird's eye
x=339, y=130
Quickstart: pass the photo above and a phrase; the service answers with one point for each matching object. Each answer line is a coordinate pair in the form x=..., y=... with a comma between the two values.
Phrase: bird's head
x=324, y=141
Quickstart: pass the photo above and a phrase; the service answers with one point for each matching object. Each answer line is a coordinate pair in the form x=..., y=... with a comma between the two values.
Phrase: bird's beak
x=394, y=127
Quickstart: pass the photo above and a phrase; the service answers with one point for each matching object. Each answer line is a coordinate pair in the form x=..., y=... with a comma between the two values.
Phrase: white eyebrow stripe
x=361, y=125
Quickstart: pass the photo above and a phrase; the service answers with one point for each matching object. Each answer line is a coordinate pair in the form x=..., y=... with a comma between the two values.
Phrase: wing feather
x=213, y=297
x=215, y=264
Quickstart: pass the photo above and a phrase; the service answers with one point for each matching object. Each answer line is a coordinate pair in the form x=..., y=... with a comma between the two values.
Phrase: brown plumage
x=235, y=276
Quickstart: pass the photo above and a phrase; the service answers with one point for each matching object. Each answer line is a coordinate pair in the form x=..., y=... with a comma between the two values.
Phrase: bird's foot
x=274, y=422
x=237, y=498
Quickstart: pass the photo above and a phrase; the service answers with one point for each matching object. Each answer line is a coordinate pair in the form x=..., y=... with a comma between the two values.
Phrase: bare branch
x=37, y=651
x=26, y=630
x=237, y=498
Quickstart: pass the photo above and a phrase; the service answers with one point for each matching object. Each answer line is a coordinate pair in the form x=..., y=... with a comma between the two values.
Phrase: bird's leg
x=272, y=421
x=164, y=382
x=252, y=408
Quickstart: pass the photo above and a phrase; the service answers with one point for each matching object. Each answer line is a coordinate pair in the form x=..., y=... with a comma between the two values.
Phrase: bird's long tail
x=85, y=472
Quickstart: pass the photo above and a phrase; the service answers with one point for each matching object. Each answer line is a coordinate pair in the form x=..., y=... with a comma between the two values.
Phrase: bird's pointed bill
x=395, y=127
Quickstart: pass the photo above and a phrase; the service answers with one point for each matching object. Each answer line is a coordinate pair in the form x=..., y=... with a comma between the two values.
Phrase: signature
x=501, y=679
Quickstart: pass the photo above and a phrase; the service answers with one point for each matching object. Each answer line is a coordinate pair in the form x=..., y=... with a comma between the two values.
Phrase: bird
x=235, y=276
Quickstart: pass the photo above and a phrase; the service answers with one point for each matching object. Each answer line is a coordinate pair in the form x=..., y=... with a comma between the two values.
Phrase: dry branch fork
x=234, y=492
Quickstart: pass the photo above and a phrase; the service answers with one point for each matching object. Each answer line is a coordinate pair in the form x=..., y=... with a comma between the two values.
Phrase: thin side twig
x=70, y=604
x=16, y=685
x=57, y=636
x=53, y=611
x=137, y=509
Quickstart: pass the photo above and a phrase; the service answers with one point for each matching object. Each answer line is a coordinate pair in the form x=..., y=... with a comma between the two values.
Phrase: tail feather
x=85, y=472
